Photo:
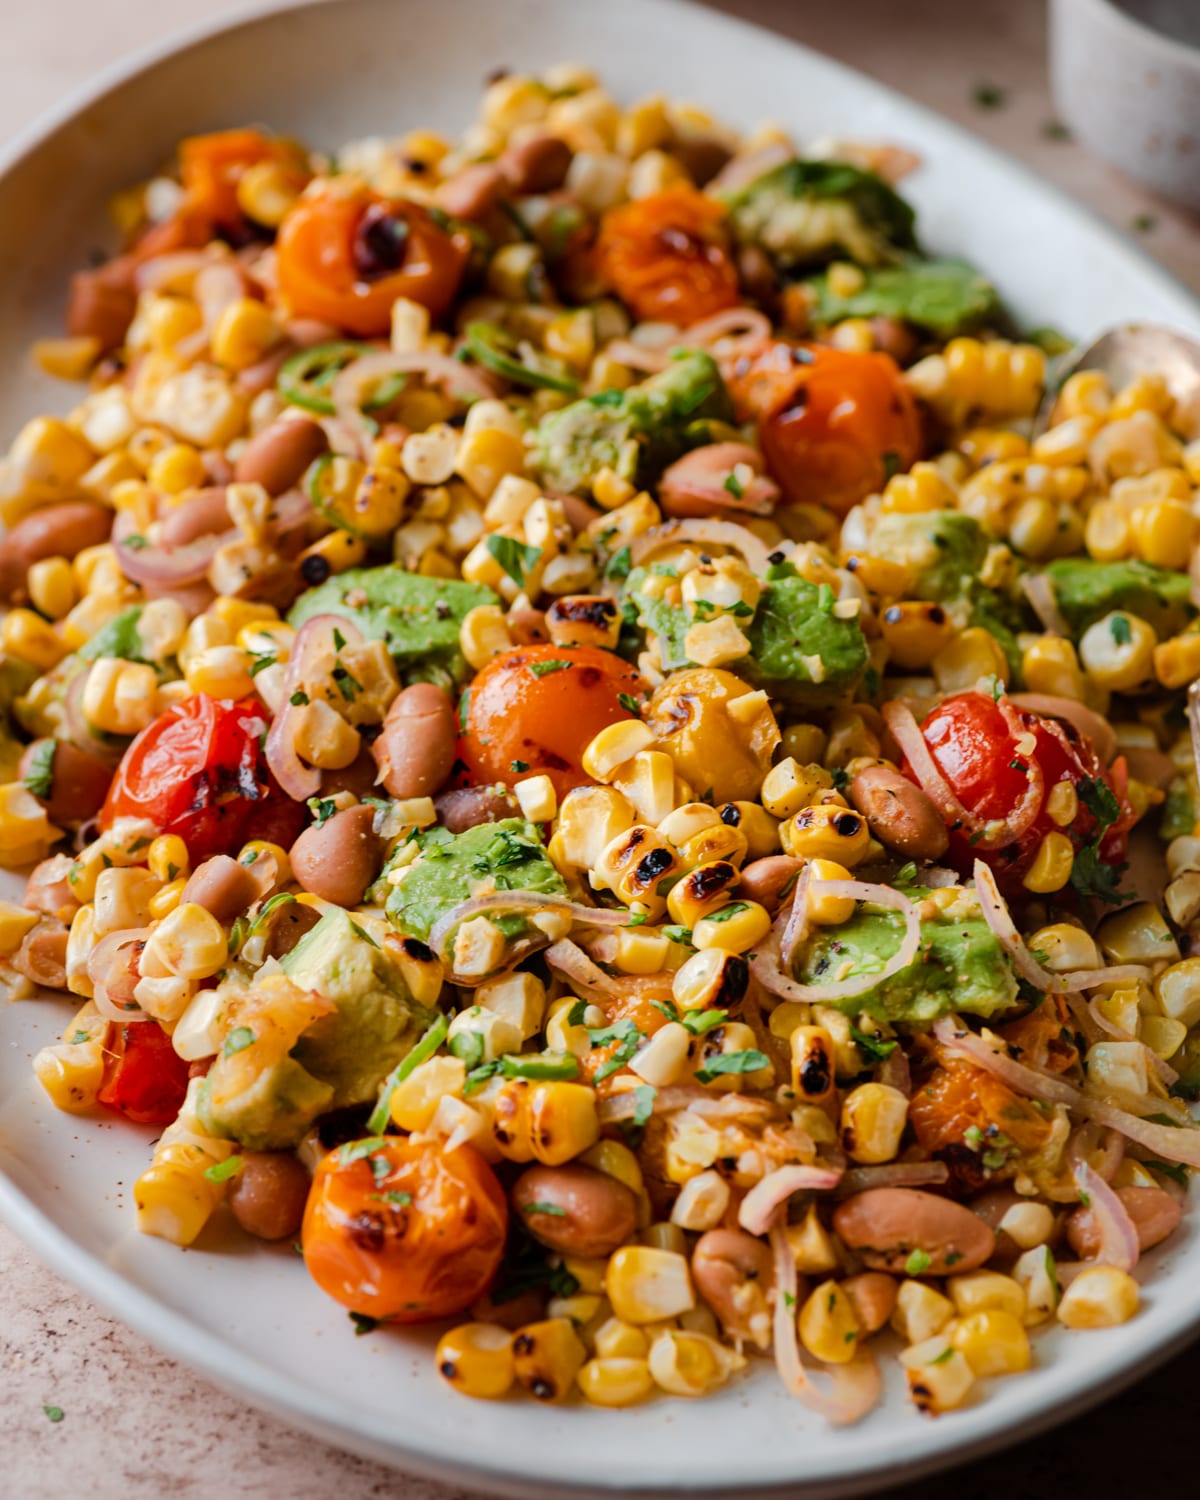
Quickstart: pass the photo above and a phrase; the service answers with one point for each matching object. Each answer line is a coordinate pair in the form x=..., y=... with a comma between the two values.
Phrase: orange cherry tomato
x=959, y=1099
x=534, y=710
x=346, y=257
x=635, y=1003
x=832, y=425
x=666, y=256
x=404, y=1232
x=210, y=167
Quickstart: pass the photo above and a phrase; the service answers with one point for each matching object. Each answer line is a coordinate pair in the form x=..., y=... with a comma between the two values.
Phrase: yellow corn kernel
x=71, y=1073
x=992, y=445
x=982, y=1291
x=26, y=833
x=550, y=1122
x=922, y=489
x=993, y=1342
x=615, y=1339
x=826, y=832
x=614, y=1159
x=221, y=672
x=1177, y=661
x=175, y=469
x=1062, y=805
x=614, y=746
x=708, y=980
x=914, y=632
x=1107, y=531
x=174, y=1199
x=68, y=358
x=939, y=1376
x=646, y=1285
x=1051, y=868
x=266, y=191
x=120, y=697
x=920, y=1312
x=1162, y=1035
x=1178, y=991
x=641, y=952
x=167, y=857
x=972, y=655
x=1036, y=1274
x=1118, y=651
x=873, y=1120
x=1065, y=947
x=486, y=454
x=1163, y=533
x=1138, y=934
x=477, y=1359
x=189, y=943
x=789, y=786
x=547, y=1356
x=1099, y=1297
x=415, y=1099
x=244, y=333
x=826, y=910
x=687, y=1362
x=52, y=587
x=483, y=634
x=337, y=551
x=735, y=928
x=633, y=866
x=324, y=738
x=589, y=819
x=759, y=829
x=812, y=1246
x=1085, y=393
x=828, y=1325
x=615, y=1380
x=165, y=901
x=27, y=636
x=701, y=892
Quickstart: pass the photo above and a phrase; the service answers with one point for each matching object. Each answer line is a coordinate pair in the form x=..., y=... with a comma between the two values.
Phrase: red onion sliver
x=699, y=482
x=762, y=1203
x=1118, y=1237
x=1170, y=1142
x=705, y=532
x=567, y=958
x=1025, y=1080
x=1088, y=1140
x=455, y=379
x=998, y=917
x=315, y=636
x=894, y=1174
x=1099, y=731
x=1040, y=593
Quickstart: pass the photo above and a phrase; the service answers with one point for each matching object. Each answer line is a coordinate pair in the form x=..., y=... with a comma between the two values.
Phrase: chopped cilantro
x=514, y=557
x=39, y=779
x=392, y=1197
x=626, y=1035
x=727, y=913
x=630, y=704
x=1121, y=630
x=322, y=809
x=539, y=1066
x=551, y=664
x=1143, y=223
x=299, y=698
x=53, y=1413
x=363, y=1323
x=425, y=1048
x=873, y=1048
x=734, y=485
x=518, y=765
x=81, y=1036
x=544, y=1208
x=238, y=1040
x=917, y=1263
x=749, y=1061
x=989, y=96
x=577, y=1012
x=222, y=1171
x=674, y=934
x=464, y=704
x=619, y=564
x=354, y=1151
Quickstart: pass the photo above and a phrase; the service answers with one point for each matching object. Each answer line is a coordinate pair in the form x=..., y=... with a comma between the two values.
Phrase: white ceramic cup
x=1126, y=79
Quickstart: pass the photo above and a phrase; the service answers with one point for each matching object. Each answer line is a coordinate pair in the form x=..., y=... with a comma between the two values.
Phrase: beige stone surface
x=138, y=1426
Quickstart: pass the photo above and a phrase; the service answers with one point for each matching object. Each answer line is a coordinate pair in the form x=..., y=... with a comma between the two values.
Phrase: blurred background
x=138, y=1426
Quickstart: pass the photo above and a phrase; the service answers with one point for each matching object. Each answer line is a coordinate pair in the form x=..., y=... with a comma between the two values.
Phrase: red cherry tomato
x=667, y=256
x=976, y=752
x=198, y=771
x=145, y=1079
x=404, y=1231
x=535, y=709
x=832, y=424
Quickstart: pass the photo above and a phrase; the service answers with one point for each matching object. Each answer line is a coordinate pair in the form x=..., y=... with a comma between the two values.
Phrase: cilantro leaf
x=514, y=557
x=39, y=779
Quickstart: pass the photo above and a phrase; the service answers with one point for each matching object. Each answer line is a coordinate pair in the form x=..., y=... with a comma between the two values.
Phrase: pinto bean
x=339, y=859
x=79, y=782
x=416, y=749
x=468, y=806
x=899, y=813
x=701, y=158
x=885, y=1226
x=269, y=1193
x=358, y=778
x=278, y=455
x=48, y=888
x=223, y=887
x=873, y=1297
x=734, y=1273
x=54, y=531
x=101, y=303
x=1154, y=1212
x=42, y=956
x=592, y=1213
x=769, y=880
x=894, y=337
x=537, y=165
x=473, y=192
x=205, y=513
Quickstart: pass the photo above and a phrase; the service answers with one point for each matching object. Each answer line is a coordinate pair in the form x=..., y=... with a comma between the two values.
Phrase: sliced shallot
x=706, y=532
x=1118, y=1235
x=762, y=1203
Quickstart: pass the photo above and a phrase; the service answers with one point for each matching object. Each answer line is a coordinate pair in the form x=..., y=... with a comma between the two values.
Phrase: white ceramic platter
x=246, y=1315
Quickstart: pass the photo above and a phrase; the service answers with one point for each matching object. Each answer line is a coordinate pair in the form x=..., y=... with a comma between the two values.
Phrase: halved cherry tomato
x=404, y=1231
x=961, y=1112
x=832, y=424
x=212, y=165
x=346, y=257
x=976, y=752
x=534, y=710
x=199, y=771
x=145, y=1079
x=666, y=256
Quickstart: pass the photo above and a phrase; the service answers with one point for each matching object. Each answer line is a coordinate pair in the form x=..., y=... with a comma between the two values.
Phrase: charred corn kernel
x=71, y=1073
x=633, y=865
x=812, y=1064
x=920, y=1312
x=477, y=1359
x=701, y=891
x=735, y=928
x=1062, y=805
x=756, y=826
x=993, y=1341
x=1065, y=947
x=828, y=1327
x=826, y=832
x=914, y=632
x=1099, y=1297
x=221, y=672
x=549, y=1122
x=822, y=908
x=1137, y=935
x=713, y=979
x=1178, y=991
x=189, y=942
x=615, y=1380
x=646, y=1285
x=717, y=841
x=1176, y=662
x=337, y=551
x=378, y=503
x=873, y=1120
x=939, y=1376
x=1036, y=1274
x=416, y=1098
x=483, y=634
x=1118, y=651
x=51, y=584
x=686, y=1363
x=812, y=1246
x=176, y=468
x=973, y=654
x=983, y=1291
x=789, y=786
x=167, y=898
x=614, y=746
x=589, y=819
x=547, y=1356
x=27, y=636
x=584, y=620
x=1051, y=868
x=702, y=1202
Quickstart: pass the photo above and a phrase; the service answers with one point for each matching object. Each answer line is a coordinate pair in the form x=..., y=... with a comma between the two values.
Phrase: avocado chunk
x=418, y=617
x=1086, y=590
x=800, y=650
x=806, y=213
x=960, y=966
x=667, y=622
x=451, y=868
x=944, y=297
x=944, y=548
x=370, y=1023
x=637, y=433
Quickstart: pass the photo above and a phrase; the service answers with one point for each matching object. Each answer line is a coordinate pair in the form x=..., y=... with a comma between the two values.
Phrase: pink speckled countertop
x=138, y=1426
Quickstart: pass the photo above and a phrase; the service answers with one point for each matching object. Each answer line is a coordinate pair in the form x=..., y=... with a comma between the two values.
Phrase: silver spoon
x=1130, y=350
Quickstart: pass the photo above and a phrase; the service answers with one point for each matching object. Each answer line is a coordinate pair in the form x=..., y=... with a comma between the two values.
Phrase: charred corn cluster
x=554, y=687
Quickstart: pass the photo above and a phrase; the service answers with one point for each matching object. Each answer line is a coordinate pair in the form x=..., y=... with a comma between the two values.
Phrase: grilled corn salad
x=579, y=755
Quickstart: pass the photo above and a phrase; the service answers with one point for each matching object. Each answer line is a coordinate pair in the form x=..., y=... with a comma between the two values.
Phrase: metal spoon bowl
x=1128, y=351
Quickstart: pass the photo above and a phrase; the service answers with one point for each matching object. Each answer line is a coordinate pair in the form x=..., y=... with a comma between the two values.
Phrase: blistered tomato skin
x=403, y=1232
x=144, y=1078
x=535, y=709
